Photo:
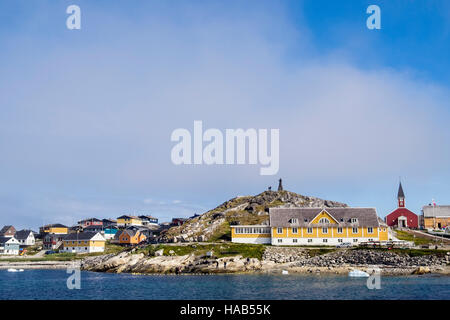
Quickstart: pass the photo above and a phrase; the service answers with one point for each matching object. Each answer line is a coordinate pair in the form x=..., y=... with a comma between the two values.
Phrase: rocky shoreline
x=274, y=260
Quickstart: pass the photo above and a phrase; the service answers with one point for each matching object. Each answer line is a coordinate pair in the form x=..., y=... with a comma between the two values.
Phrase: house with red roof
x=402, y=217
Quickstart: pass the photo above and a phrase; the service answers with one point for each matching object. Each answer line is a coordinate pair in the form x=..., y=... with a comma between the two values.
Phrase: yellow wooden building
x=56, y=228
x=126, y=221
x=435, y=217
x=315, y=226
x=84, y=242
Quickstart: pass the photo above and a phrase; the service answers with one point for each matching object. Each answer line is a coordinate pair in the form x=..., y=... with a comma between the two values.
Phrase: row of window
x=251, y=230
x=324, y=230
x=322, y=220
x=323, y=240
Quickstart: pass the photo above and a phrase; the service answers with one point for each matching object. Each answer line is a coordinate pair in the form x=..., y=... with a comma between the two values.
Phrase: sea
x=52, y=284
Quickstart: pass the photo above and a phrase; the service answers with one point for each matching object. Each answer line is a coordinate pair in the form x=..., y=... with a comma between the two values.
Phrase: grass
x=403, y=235
x=219, y=250
x=320, y=251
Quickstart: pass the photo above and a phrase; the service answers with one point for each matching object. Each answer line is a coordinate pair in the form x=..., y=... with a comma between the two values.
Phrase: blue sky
x=86, y=115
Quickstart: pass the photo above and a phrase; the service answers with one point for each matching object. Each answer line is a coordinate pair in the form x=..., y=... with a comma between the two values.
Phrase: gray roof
x=280, y=217
x=55, y=225
x=80, y=236
x=437, y=211
x=5, y=239
x=130, y=232
x=23, y=234
x=400, y=193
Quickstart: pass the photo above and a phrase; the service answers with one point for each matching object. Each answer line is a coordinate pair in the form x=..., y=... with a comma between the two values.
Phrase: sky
x=86, y=115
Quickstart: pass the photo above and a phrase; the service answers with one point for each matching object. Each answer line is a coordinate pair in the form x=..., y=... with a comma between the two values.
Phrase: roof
x=55, y=225
x=381, y=222
x=90, y=219
x=147, y=217
x=126, y=216
x=130, y=232
x=436, y=211
x=80, y=236
x=367, y=217
x=23, y=234
x=6, y=239
x=400, y=193
x=5, y=229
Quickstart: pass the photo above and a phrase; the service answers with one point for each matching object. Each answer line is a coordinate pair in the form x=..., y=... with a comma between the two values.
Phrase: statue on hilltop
x=280, y=185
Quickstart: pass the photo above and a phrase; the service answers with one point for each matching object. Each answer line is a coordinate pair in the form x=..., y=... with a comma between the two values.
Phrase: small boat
x=284, y=272
x=15, y=270
x=358, y=273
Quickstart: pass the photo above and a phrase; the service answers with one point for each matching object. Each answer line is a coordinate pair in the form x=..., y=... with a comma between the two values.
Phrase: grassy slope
x=219, y=250
x=418, y=240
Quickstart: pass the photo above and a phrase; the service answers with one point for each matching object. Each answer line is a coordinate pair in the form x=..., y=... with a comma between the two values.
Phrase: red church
x=402, y=217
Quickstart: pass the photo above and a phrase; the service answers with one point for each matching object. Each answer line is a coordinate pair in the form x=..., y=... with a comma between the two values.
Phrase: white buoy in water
x=284, y=272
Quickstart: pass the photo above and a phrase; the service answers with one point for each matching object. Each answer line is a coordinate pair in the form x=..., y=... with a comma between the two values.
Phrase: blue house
x=9, y=245
x=109, y=233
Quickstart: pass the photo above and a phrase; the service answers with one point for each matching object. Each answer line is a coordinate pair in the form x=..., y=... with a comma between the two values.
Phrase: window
x=280, y=230
x=309, y=240
x=294, y=220
x=294, y=240
x=309, y=230
x=324, y=220
x=355, y=240
x=354, y=220
x=342, y=219
x=294, y=230
x=355, y=230
x=325, y=230
x=370, y=239
x=340, y=240
x=280, y=240
x=325, y=240
x=370, y=230
x=306, y=220
x=339, y=230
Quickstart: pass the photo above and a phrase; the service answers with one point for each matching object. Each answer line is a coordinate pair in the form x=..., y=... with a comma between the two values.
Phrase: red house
x=90, y=222
x=402, y=217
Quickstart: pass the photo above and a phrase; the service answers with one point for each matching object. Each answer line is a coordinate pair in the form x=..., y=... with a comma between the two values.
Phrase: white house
x=25, y=237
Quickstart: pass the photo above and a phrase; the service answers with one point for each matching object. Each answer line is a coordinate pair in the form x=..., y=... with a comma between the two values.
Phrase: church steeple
x=401, y=196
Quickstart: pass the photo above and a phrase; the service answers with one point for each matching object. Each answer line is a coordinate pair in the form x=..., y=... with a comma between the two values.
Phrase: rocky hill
x=214, y=225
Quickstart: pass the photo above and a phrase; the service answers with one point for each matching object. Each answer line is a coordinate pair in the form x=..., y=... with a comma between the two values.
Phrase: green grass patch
x=418, y=240
x=319, y=251
x=219, y=250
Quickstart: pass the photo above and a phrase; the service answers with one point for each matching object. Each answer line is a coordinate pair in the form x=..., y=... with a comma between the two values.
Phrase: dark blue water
x=51, y=284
